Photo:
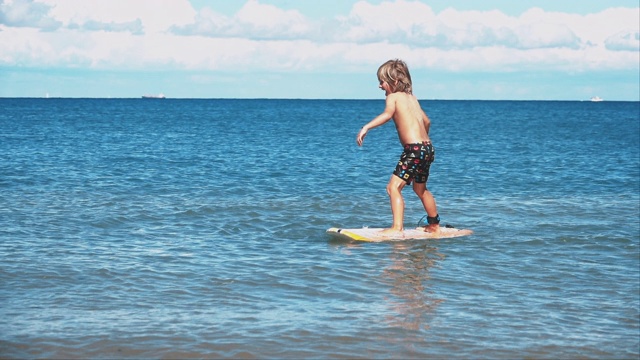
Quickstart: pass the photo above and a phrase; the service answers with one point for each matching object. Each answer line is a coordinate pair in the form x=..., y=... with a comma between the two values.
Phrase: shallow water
x=196, y=228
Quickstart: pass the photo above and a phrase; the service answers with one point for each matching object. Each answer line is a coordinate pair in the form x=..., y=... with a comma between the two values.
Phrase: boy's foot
x=431, y=228
x=392, y=233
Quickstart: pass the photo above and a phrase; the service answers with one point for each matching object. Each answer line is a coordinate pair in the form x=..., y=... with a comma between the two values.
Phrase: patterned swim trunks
x=415, y=162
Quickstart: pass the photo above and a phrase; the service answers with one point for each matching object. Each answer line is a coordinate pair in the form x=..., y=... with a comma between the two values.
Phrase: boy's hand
x=361, y=135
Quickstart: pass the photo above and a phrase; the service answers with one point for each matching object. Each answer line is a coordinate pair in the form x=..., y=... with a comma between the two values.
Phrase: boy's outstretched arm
x=381, y=119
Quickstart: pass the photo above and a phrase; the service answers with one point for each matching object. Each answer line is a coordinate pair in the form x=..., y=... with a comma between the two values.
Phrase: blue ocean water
x=136, y=228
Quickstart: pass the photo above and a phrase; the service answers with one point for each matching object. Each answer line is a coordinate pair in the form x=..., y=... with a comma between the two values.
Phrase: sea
x=196, y=228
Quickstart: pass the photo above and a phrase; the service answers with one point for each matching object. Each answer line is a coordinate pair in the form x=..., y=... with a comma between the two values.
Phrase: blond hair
x=396, y=74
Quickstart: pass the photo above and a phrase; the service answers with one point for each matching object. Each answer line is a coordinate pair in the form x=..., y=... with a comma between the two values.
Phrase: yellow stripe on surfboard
x=348, y=234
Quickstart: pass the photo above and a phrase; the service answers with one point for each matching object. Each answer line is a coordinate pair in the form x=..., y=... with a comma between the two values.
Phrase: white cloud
x=135, y=26
x=414, y=23
x=254, y=20
x=26, y=13
x=171, y=34
x=154, y=15
x=628, y=40
x=400, y=21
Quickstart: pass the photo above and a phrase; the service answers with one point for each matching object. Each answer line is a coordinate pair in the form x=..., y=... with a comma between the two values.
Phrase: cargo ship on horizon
x=159, y=96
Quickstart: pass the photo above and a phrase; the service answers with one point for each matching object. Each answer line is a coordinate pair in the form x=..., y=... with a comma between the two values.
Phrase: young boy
x=412, y=125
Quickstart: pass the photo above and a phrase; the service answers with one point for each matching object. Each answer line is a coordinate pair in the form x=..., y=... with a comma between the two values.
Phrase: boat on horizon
x=159, y=96
x=596, y=99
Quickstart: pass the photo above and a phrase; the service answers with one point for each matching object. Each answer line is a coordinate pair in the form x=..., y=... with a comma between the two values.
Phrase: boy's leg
x=394, y=189
x=428, y=202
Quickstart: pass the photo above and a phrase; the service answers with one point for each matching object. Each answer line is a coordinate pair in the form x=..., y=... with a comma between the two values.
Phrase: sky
x=320, y=49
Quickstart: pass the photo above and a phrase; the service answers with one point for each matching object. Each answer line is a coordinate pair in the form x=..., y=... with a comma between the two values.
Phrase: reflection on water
x=411, y=300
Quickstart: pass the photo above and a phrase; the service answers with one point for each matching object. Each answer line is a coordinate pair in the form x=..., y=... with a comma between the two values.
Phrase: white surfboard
x=375, y=235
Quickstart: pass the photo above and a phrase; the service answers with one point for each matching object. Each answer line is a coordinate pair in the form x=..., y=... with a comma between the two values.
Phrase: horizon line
x=285, y=98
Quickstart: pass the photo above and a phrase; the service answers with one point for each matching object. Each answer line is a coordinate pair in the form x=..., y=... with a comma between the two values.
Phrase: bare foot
x=392, y=233
x=432, y=228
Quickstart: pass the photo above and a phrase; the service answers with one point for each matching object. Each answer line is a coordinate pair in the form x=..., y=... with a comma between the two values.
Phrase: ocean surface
x=134, y=228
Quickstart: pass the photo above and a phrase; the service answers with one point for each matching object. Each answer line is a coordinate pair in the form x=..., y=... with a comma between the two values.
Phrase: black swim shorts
x=415, y=162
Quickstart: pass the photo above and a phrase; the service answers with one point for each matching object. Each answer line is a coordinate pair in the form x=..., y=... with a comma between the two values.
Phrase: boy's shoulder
x=396, y=95
x=400, y=95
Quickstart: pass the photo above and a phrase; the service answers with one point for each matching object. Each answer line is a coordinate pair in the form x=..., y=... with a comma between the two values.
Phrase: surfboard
x=374, y=235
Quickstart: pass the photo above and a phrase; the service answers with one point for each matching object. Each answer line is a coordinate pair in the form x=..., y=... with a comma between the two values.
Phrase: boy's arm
x=387, y=114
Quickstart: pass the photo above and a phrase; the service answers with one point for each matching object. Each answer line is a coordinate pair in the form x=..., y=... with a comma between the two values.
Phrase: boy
x=412, y=125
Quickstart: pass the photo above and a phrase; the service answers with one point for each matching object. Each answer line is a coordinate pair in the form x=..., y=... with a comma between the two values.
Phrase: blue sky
x=456, y=49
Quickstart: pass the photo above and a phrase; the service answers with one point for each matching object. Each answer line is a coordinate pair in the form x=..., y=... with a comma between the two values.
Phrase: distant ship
x=596, y=99
x=159, y=96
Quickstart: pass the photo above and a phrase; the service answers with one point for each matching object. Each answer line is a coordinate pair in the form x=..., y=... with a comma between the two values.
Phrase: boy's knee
x=394, y=186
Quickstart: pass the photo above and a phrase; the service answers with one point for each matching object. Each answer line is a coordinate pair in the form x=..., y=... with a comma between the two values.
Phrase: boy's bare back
x=411, y=121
